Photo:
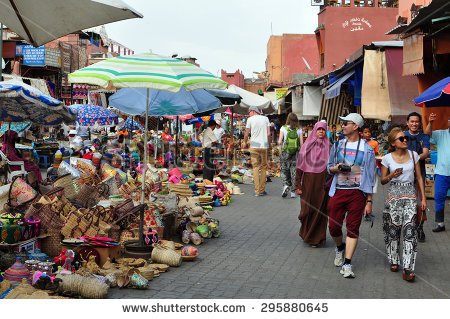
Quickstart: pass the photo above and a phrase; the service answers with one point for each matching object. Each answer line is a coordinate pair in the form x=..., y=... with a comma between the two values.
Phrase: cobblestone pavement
x=260, y=255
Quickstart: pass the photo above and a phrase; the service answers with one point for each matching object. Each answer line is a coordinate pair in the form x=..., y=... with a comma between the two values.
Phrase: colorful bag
x=21, y=193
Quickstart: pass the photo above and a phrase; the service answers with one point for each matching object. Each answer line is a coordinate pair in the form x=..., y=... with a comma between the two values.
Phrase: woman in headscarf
x=9, y=149
x=310, y=180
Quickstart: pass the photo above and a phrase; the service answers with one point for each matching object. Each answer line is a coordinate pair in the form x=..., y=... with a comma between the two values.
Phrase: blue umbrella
x=131, y=125
x=20, y=102
x=133, y=101
x=436, y=95
x=90, y=115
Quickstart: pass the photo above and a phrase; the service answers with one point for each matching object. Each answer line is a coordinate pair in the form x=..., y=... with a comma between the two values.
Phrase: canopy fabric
x=437, y=95
x=402, y=89
x=335, y=89
x=133, y=101
x=375, y=103
x=147, y=70
x=225, y=96
x=413, y=55
x=21, y=102
x=312, y=98
x=202, y=119
x=15, y=126
x=51, y=19
x=131, y=125
x=94, y=115
x=249, y=99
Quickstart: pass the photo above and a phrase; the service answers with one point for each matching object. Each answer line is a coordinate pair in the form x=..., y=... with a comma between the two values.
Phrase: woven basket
x=57, y=192
x=123, y=208
x=87, y=194
x=165, y=255
x=112, y=184
x=66, y=182
x=52, y=245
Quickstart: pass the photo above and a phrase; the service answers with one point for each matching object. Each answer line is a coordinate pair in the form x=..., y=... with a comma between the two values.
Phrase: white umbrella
x=42, y=21
x=249, y=99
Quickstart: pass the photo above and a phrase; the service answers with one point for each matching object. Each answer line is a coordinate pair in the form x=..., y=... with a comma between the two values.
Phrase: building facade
x=288, y=56
x=236, y=78
x=345, y=26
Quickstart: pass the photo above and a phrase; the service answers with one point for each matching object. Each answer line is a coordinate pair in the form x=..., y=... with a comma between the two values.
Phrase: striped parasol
x=147, y=70
x=151, y=71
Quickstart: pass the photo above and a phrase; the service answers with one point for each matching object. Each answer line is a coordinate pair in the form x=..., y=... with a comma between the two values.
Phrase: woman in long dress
x=310, y=180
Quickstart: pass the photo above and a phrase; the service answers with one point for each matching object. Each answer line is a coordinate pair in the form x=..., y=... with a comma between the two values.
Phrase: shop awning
x=413, y=55
x=335, y=89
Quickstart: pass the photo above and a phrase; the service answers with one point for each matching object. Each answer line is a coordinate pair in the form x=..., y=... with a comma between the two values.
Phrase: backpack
x=292, y=144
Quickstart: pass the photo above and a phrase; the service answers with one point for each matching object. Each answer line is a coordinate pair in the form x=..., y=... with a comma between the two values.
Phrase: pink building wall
x=343, y=30
x=236, y=78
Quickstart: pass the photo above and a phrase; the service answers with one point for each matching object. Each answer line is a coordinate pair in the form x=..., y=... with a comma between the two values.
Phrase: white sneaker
x=347, y=272
x=339, y=259
x=293, y=195
x=285, y=191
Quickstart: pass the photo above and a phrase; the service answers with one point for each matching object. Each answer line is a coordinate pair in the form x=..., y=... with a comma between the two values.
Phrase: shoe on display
x=347, y=272
x=293, y=195
x=285, y=191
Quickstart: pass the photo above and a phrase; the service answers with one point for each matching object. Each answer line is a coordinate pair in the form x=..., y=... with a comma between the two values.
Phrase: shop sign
x=53, y=57
x=33, y=56
x=356, y=24
x=281, y=92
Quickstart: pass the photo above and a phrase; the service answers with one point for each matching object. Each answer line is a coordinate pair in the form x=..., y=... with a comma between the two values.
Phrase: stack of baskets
x=180, y=189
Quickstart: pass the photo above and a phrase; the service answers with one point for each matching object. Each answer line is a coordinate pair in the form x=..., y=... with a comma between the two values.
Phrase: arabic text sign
x=33, y=56
x=356, y=24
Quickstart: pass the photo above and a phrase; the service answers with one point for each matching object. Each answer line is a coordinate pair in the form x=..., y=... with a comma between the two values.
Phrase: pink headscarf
x=313, y=157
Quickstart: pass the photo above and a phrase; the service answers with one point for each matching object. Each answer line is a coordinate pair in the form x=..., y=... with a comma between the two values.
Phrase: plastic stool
x=44, y=161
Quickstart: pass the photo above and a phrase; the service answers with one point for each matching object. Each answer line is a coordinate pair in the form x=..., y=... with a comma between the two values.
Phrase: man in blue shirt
x=442, y=172
x=418, y=142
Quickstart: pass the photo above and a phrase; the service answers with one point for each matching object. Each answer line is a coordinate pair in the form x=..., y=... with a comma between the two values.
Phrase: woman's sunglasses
x=403, y=139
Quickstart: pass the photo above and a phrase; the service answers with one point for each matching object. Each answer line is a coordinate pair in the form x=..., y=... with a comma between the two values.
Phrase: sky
x=227, y=35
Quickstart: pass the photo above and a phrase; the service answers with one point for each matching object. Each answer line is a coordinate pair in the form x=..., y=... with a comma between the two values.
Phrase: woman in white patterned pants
x=401, y=168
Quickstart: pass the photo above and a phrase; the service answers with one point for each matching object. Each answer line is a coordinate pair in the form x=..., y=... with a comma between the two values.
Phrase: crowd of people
x=336, y=179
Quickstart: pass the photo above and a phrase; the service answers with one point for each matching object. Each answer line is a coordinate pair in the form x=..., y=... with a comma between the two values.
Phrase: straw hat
x=237, y=191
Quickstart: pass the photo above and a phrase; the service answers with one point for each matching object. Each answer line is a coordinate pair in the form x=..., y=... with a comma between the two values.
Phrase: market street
x=260, y=255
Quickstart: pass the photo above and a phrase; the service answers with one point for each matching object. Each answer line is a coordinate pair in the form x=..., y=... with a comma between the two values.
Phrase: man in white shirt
x=209, y=140
x=258, y=126
x=219, y=132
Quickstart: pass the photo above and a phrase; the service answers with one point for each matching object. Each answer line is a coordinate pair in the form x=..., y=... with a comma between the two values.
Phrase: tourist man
x=209, y=140
x=418, y=142
x=352, y=162
x=442, y=172
x=258, y=126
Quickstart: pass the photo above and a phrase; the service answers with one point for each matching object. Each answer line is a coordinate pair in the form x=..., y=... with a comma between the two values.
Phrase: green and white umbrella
x=151, y=71
x=147, y=70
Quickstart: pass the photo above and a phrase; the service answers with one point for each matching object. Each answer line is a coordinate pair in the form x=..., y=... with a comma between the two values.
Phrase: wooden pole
x=176, y=142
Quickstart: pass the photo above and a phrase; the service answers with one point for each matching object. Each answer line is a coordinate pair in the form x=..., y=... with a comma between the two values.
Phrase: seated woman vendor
x=9, y=149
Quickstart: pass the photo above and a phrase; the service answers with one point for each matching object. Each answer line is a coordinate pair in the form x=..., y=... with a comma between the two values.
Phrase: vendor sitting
x=9, y=149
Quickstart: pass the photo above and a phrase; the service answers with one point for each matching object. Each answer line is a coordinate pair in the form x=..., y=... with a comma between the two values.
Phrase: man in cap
x=209, y=140
x=258, y=126
x=352, y=162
